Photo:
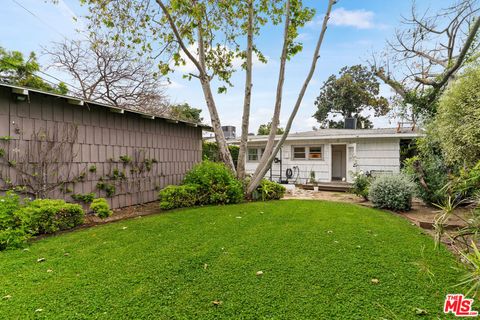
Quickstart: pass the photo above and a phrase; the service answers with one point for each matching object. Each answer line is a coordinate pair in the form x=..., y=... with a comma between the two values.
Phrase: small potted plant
x=313, y=181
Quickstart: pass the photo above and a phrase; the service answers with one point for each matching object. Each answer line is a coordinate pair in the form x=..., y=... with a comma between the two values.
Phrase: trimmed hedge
x=173, y=197
x=19, y=220
x=43, y=216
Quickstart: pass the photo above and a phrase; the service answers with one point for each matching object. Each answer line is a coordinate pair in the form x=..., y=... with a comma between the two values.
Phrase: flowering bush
x=361, y=184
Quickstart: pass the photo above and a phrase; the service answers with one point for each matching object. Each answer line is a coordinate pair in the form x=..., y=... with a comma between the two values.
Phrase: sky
x=356, y=29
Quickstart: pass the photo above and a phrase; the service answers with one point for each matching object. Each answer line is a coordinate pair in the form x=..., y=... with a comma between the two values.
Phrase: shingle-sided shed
x=59, y=146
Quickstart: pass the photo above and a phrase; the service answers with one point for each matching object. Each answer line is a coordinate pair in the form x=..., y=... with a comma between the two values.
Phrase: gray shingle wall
x=104, y=136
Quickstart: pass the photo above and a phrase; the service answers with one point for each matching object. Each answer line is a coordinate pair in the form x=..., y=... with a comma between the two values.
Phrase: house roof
x=331, y=134
x=80, y=102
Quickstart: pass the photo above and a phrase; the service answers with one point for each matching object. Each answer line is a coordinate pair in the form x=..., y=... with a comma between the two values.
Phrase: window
x=252, y=154
x=315, y=153
x=308, y=153
x=299, y=152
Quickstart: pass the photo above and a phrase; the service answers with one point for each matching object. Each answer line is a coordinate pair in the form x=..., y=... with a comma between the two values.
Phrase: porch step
x=329, y=186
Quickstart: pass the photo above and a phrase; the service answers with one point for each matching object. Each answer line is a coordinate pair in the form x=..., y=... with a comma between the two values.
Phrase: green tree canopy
x=183, y=111
x=16, y=71
x=264, y=129
x=457, y=123
x=356, y=89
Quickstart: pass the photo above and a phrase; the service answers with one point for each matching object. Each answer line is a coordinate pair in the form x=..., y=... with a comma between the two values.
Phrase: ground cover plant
x=318, y=260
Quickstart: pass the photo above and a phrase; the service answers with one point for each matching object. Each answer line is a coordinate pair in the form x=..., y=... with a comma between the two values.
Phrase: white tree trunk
x=261, y=171
x=278, y=99
x=248, y=96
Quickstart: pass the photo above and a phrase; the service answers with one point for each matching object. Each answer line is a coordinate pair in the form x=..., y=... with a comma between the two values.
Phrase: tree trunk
x=261, y=172
x=223, y=150
x=224, y=153
x=248, y=96
x=278, y=99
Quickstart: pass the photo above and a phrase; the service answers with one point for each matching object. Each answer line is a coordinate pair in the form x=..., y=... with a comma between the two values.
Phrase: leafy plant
x=312, y=180
x=109, y=188
x=92, y=169
x=148, y=164
x=393, y=192
x=48, y=216
x=86, y=198
x=361, y=184
x=178, y=196
x=125, y=159
x=216, y=183
x=269, y=190
x=101, y=208
x=2, y=153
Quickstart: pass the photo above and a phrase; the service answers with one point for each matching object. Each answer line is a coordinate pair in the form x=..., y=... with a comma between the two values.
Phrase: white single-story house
x=331, y=155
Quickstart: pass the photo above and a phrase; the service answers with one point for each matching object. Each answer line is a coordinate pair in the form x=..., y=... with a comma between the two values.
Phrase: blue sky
x=356, y=29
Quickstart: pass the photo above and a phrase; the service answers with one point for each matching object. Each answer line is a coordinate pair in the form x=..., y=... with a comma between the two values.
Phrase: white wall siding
x=379, y=154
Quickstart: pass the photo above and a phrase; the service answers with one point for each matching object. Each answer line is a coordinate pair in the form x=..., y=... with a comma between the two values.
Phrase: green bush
x=269, y=190
x=48, y=216
x=101, y=208
x=216, y=183
x=361, y=184
x=178, y=196
x=8, y=205
x=11, y=235
x=393, y=192
x=13, y=238
x=86, y=198
x=457, y=123
x=434, y=176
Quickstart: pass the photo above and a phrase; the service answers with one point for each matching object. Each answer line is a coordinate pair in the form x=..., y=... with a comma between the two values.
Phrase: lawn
x=318, y=260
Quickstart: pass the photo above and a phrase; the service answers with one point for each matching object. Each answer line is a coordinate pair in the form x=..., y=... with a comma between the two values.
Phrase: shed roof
x=81, y=102
x=331, y=134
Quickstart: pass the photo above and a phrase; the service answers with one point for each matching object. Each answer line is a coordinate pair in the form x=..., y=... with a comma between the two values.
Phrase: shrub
x=361, y=184
x=457, y=123
x=101, y=208
x=8, y=205
x=433, y=173
x=269, y=190
x=216, y=183
x=48, y=216
x=178, y=196
x=12, y=238
x=393, y=192
x=86, y=198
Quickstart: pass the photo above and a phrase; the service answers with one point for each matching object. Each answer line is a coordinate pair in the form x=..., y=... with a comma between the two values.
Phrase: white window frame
x=307, y=152
x=257, y=154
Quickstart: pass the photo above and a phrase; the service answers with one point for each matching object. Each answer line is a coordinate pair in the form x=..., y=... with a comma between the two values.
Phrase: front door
x=339, y=163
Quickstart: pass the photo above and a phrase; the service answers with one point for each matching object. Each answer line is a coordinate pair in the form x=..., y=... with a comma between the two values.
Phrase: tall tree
x=183, y=111
x=266, y=161
x=206, y=34
x=110, y=74
x=354, y=91
x=426, y=54
x=14, y=69
x=265, y=129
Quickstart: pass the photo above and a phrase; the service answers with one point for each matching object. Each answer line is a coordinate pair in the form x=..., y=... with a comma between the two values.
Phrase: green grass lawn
x=318, y=260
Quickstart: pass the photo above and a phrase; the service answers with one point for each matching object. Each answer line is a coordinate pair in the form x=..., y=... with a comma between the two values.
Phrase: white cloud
x=360, y=19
